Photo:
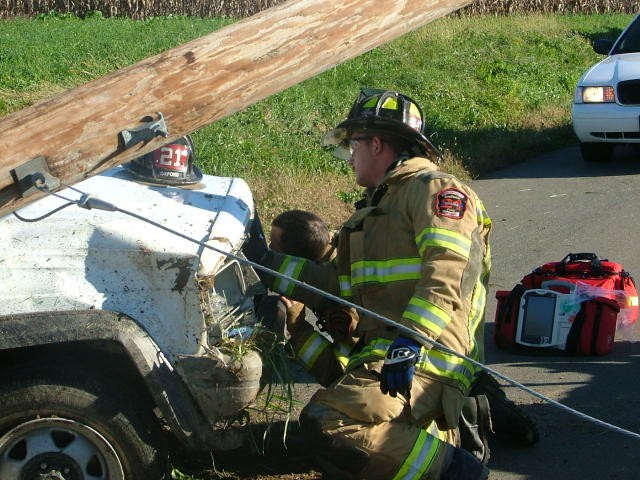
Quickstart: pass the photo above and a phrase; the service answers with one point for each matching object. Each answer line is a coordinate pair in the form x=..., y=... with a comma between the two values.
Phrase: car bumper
x=608, y=122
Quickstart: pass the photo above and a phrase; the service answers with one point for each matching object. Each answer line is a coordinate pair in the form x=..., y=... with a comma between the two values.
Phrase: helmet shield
x=383, y=112
x=171, y=164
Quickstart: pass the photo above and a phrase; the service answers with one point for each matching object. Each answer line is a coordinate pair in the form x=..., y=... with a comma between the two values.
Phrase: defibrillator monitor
x=542, y=321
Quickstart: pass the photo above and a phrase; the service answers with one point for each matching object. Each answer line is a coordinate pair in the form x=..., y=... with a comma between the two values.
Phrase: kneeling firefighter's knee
x=315, y=421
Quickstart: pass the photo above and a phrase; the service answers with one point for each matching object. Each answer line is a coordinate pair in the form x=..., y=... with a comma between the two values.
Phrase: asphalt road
x=542, y=210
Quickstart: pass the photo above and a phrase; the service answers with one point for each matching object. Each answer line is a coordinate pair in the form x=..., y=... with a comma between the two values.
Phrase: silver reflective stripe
x=385, y=271
x=290, y=267
x=427, y=314
x=438, y=237
x=376, y=348
x=312, y=349
x=419, y=459
x=345, y=286
x=448, y=366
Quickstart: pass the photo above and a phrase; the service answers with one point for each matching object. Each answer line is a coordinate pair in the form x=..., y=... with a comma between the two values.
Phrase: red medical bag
x=573, y=305
x=587, y=269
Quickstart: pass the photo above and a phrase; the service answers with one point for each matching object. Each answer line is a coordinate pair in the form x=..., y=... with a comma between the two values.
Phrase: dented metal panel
x=94, y=259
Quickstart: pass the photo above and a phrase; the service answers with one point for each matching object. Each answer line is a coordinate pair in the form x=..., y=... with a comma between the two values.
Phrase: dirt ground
x=270, y=453
x=277, y=462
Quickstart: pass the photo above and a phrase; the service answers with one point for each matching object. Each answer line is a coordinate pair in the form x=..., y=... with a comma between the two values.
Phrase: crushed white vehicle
x=109, y=327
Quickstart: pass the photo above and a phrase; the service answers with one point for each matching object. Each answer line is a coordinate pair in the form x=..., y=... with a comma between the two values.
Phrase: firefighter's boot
x=475, y=427
x=507, y=417
x=464, y=466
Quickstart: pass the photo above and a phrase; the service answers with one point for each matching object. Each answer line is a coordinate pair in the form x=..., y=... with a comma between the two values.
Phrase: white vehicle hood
x=613, y=69
x=95, y=259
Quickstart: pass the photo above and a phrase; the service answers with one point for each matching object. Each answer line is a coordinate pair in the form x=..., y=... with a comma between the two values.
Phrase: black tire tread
x=120, y=416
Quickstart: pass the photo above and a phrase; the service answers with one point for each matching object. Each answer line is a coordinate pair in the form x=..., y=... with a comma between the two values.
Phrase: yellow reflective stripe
x=446, y=365
x=478, y=302
x=440, y=237
x=483, y=216
x=419, y=460
x=486, y=261
x=633, y=301
x=433, y=429
x=291, y=267
x=427, y=315
x=376, y=348
x=345, y=285
x=477, y=306
x=312, y=349
x=341, y=351
x=385, y=271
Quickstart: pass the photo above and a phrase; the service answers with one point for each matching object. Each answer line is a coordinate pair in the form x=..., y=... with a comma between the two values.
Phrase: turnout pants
x=360, y=433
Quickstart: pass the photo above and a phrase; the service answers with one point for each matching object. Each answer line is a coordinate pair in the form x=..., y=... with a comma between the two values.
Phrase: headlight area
x=227, y=302
x=595, y=94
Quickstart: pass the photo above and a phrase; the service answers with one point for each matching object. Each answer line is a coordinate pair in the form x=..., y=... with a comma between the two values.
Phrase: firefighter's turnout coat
x=417, y=252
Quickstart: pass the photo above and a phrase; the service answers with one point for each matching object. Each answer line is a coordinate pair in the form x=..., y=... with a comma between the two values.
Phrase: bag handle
x=592, y=258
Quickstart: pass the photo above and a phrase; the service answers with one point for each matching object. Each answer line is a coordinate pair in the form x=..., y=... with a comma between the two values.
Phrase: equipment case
x=573, y=306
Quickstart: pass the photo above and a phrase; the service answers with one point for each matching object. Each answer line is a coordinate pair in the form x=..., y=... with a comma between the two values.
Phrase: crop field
x=240, y=8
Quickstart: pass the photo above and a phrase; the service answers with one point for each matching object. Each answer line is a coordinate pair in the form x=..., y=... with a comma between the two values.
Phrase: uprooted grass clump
x=276, y=404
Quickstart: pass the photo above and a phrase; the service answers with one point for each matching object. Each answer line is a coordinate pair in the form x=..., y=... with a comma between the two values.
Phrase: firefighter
x=416, y=251
x=324, y=351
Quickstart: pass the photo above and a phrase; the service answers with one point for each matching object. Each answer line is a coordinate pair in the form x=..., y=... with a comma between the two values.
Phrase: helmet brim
x=378, y=126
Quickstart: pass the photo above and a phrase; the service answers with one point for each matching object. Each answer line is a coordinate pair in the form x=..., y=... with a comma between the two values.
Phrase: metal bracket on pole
x=148, y=131
x=33, y=176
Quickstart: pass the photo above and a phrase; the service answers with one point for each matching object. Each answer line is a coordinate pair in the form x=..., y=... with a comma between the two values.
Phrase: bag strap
x=505, y=317
x=573, y=339
x=513, y=299
x=596, y=328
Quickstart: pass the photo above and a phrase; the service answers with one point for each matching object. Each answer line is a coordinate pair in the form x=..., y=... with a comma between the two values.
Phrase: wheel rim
x=57, y=449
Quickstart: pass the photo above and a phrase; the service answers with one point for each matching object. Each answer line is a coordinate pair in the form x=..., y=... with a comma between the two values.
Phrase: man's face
x=275, y=239
x=369, y=159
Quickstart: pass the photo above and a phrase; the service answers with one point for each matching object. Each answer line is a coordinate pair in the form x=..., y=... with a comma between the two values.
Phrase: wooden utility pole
x=101, y=124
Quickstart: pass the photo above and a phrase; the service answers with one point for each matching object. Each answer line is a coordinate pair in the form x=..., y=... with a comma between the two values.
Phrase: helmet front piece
x=171, y=164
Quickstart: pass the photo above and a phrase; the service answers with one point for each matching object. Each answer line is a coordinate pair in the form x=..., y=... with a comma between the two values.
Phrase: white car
x=606, y=104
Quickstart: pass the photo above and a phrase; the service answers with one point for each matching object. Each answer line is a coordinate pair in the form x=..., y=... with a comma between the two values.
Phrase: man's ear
x=377, y=144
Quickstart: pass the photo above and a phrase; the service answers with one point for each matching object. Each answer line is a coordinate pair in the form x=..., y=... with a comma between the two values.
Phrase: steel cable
x=88, y=202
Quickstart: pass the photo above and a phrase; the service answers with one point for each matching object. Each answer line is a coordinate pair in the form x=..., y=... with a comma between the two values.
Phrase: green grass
x=496, y=90
x=52, y=54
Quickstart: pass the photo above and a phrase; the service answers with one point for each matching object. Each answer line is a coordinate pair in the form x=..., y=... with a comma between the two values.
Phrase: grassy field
x=496, y=90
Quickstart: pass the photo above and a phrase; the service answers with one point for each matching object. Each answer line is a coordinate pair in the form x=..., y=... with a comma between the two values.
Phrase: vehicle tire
x=60, y=424
x=596, y=152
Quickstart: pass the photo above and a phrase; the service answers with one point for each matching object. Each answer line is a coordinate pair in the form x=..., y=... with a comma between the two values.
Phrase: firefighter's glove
x=399, y=367
x=255, y=246
x=338, y=321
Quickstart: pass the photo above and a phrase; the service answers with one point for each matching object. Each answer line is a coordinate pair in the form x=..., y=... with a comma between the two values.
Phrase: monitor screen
x=539, y=313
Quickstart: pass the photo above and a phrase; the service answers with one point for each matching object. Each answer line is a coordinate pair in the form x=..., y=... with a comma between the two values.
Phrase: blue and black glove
x=255, y=246
x=399, y=367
